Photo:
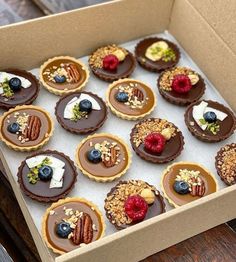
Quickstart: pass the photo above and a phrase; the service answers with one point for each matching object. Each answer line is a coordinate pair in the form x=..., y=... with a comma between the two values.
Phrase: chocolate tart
x=169, y=176
x=47, y=191
x=125, y=63
x=225, y=163
x=32, y=125
x=115, y=157
x=64, y=209
x=158, y=65
x=141, y=100
x=174, y=140
x=119, y=194
x=222, y=129
x=25, y=95
x=165, y=88
x=83, y=122
x=63, y=75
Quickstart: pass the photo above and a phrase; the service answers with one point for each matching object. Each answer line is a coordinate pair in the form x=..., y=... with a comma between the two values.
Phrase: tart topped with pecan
x=63, y=75
x=71, y=223
x=26, y=128
x=103, y=157
x=184, y=182
x=130, y=99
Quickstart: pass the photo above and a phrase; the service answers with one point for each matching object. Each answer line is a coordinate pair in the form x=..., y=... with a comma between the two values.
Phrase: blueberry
x=45, y=173
x=13, y=128
x=210, y=117
x=60, y=79
x=85, y=106
x=94, y=156
x=15, y=84
x=63, y=229
x=122, y=97
x=181, y=187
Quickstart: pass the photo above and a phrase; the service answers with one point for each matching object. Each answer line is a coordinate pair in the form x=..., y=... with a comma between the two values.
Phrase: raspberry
x=181, y=84
x=136, y=208
x=155, y=142
x=110, y=62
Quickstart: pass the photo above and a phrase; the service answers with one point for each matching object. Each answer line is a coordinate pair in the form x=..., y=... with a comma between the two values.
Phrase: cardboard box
x=202, y=29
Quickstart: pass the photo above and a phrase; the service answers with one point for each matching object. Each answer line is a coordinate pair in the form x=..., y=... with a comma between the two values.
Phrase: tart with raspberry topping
x=112, y=62
x=131, y=202
x=181, y=86
x=157, y=140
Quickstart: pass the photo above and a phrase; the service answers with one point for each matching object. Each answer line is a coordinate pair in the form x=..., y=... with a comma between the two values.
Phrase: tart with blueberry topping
x=210, y=121
x=103, y=157
x=112, y=62
x=26, y=128
x=181, y=86
x=157, y=54
x=131, y=202
x=63, y=75
x=184, y=182
x=17, y=87
x=130, y=99
x=47, y=176
x=81, y=112
x=156, y=140
x=72, y=223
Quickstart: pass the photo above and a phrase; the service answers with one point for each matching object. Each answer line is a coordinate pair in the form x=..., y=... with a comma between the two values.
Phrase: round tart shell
x=154, y=66
x=62, y=122
x=58, y=91
x=120, y=114
x=197, y=132
x=25, y=148
x=102, y=179
x=63, y=202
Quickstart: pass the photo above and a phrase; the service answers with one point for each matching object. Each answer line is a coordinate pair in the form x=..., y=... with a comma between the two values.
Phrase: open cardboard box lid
x=207, y=31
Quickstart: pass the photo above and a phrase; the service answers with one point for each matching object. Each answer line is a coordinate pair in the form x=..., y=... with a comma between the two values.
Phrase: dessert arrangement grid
x=194, y=150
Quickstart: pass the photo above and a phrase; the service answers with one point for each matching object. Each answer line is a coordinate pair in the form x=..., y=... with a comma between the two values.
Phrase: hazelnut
x=166, y=133
x=193, y=79
x=119, y=54
x=148, y=195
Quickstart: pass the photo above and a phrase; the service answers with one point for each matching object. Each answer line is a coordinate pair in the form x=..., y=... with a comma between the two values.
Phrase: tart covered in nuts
x=72, y=223
x=47, y=176
x=132, y=201
x=112, y=62
x=26, y=128
x=81, y=112
x=17, y=87
x=157, y=54
x=226, y=163
x=63, y=75
x=156, y=140
x=184, y=182
x=210, y=121
x=181, y=86
x=103, y=157
x=130, y=99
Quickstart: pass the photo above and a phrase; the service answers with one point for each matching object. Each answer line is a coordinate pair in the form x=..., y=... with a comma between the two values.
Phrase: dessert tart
x=63, y=75
x=17, y=87
x=81, y=112
x=157, y=54
x=103, y=157
x=112, y=62
x=226, y=164
x=47, y=176
x=72, y=223
x=210, y=121
x=181, y=86
x=131, y=202
x=184, y=182
x=26, y=128
x=156, y=140
x=130, y=99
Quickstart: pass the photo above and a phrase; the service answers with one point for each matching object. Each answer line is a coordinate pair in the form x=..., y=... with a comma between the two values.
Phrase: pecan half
x=110, y=160
x=138, y=93
x=73, y=73
x=197, y=187
x=83, y=232
x=32, y=129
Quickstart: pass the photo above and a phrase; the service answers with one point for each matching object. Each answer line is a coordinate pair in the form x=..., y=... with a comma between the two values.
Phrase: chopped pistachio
x=77, y=114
